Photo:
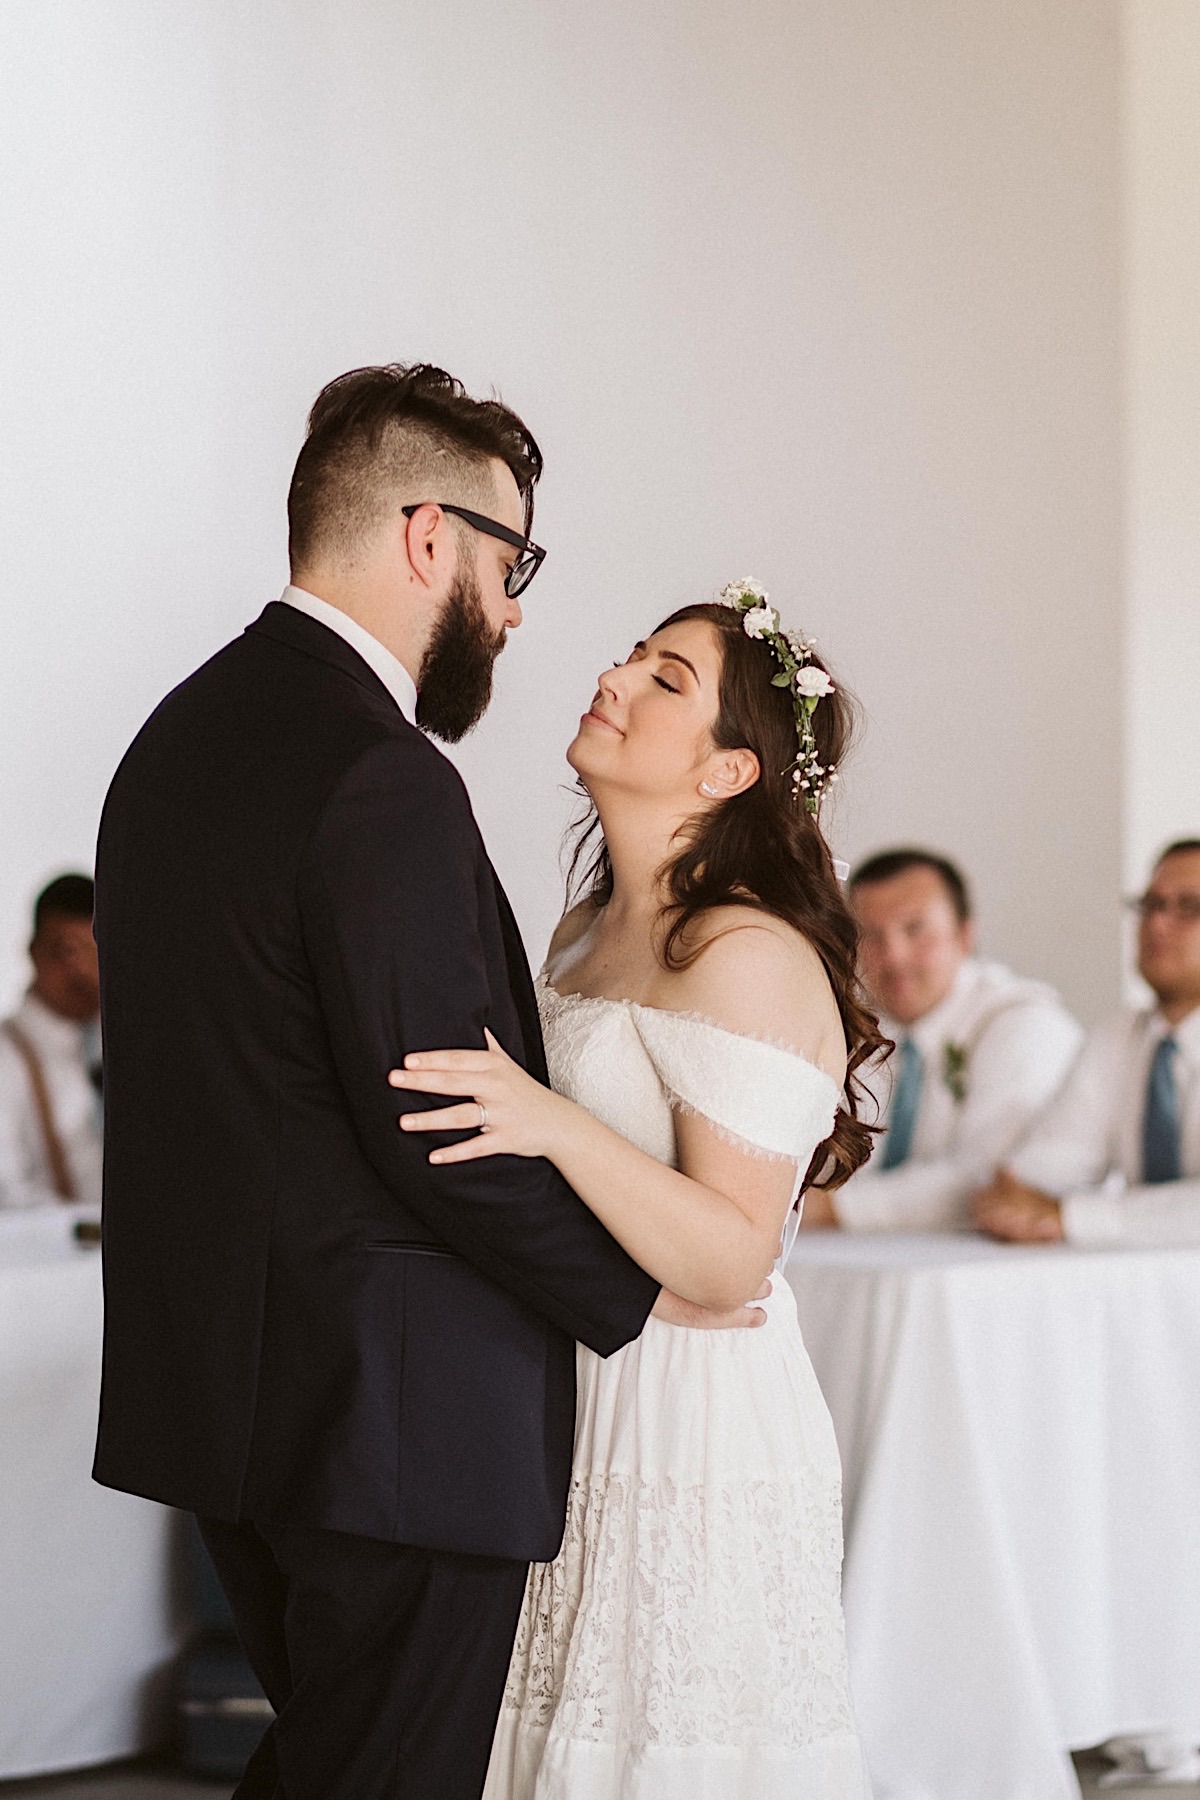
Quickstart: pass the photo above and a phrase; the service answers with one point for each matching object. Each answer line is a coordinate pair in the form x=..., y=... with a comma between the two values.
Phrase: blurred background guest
x=1115, y=1159
x=979, y=1051
x=50, y=1118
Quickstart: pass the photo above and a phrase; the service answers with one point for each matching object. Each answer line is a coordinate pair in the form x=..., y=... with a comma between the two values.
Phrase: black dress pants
x=385, y=1663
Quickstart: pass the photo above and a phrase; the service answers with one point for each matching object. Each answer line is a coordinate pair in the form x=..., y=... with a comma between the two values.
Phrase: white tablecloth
x=1020, y=1435
x=87, y=1626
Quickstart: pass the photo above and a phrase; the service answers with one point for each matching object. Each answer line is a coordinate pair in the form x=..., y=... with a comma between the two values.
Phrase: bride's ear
x=730, y=772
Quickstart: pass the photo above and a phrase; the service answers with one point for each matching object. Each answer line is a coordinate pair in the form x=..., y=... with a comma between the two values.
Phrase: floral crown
x=805, y=682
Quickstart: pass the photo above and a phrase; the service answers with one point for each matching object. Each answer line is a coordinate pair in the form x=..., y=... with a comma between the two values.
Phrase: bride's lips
x=592, y=717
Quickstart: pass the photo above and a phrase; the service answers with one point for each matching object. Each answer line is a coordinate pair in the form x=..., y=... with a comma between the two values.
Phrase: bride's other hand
x=674, y=1311
x=510, y=1113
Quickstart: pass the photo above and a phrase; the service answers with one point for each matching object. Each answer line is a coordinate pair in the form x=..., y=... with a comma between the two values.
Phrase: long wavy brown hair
x=761, y=848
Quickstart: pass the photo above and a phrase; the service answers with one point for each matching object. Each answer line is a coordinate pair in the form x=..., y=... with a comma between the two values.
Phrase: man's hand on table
x=819, y=1212
x=674, y=1311
x=1017, y=1214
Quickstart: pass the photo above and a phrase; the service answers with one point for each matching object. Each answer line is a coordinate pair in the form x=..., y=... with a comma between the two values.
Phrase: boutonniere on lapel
x=954, y=1071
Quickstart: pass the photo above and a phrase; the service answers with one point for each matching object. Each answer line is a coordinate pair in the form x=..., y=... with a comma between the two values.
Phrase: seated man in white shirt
x=50, y=1110
x=1115, y=1159
x=979, y=1051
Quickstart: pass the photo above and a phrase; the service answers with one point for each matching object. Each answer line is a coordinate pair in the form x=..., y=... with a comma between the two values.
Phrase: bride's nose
x=607, y=683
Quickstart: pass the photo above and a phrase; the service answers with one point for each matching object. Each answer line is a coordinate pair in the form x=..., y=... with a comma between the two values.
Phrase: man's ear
x=732, y=772
x=426, y=542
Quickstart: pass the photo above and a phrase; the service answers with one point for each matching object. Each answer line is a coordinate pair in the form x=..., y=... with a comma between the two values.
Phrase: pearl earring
x=706, y=787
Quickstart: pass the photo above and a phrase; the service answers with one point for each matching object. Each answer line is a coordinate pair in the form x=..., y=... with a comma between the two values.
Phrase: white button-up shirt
x=61, y=1046
x=993, y=1052
x=390, y=670
x=1086, y=1149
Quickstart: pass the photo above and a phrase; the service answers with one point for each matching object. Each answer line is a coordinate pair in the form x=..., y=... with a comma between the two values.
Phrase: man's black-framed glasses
x=526, y=565
x=1184, y=907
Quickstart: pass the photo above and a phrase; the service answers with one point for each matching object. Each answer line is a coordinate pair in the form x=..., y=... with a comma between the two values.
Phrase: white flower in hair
x=813, y=683
x=806, y=685
x=761, y=622
x=737, y=593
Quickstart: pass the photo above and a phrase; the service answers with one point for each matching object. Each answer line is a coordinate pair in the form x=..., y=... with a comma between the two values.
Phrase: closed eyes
x=635, y=657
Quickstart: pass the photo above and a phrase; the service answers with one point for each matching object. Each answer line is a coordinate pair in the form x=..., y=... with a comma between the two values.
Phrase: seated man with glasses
x=1115, y=1158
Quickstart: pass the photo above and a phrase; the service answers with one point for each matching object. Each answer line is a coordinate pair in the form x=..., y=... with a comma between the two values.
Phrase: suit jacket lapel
x=288, y=626
x=520, y=982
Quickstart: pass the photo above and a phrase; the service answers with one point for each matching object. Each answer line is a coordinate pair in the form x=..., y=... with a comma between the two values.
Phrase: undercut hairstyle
x=890, y=863
x=763, y=849
x=394, y=435
x=1179, y=848
x=67, y=897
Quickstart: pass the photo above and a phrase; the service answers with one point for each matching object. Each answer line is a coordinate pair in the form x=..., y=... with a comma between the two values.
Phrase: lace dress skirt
x=687, y=1641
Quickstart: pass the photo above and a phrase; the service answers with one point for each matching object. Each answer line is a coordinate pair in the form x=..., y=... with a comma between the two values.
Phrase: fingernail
x=436, y=1157
x=412, y=1062
x=394, y=1078
x=406, y=1123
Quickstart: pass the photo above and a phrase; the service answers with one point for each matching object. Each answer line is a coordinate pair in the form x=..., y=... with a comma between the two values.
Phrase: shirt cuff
x=1096, y=1217
x=875, y=1203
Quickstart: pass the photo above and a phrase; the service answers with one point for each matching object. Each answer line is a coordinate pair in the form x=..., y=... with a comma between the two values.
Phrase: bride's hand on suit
x=510, y=1113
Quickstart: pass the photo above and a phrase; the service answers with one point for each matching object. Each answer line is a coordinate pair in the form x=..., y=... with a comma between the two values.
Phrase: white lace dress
x=687, y=1641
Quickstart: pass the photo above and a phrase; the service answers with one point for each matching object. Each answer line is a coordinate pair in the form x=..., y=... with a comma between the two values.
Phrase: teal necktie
x=1161, y=1158
x=906, y=1098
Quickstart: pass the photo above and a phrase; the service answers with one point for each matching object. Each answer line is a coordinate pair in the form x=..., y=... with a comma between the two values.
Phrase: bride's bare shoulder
x=756, y=974
x=571, y=927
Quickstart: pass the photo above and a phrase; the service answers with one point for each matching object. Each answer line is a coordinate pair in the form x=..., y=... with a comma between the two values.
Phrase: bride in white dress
x=702, y=1026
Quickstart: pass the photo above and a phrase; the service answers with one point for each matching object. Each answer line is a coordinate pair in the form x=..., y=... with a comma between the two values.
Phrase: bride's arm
x=709, y=1230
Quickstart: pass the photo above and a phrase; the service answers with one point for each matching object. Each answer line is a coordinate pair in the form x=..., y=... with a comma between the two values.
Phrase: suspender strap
x=56, y=1156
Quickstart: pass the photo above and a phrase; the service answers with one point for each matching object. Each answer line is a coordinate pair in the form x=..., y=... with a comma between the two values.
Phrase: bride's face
x=649, y=728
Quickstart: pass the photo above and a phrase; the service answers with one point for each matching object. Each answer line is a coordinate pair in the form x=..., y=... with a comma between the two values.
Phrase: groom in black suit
x=355, y=1367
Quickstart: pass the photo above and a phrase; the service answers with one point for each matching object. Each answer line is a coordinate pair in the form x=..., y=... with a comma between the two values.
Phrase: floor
x=1091, y=1766
x=118, y=1781
x=144, y=1781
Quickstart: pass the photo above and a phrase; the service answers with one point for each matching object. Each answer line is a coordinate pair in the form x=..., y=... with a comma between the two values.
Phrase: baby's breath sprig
x=805, y=682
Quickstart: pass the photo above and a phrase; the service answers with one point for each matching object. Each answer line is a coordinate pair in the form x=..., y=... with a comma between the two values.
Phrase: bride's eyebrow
x=668, y=656
x=674, y=656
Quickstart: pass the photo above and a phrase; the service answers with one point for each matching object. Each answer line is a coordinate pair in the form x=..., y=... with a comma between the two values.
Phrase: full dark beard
x=456, y=674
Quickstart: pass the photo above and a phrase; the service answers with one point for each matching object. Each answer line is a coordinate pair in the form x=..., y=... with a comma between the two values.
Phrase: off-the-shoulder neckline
x=694, y=1018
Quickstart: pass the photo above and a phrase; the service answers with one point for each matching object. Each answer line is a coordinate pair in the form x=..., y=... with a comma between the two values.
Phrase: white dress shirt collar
x=933, y=1027
x=390, y=670
x=48, y=1030
x=1186, y=1033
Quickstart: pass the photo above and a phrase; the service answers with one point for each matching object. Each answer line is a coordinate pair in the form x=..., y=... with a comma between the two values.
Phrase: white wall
x=1162, y=441
x=822, y=291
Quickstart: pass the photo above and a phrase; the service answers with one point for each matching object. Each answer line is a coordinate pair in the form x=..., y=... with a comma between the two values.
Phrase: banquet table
x=89, y=1622
x=1020, y=1439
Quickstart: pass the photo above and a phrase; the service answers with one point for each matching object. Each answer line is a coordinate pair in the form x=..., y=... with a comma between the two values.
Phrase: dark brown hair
x=66, y=897
x=375, y=432
x=887, y=864
x=761, y=848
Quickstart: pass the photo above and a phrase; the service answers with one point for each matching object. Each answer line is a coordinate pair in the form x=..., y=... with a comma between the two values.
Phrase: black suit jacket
x=304, y=1320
